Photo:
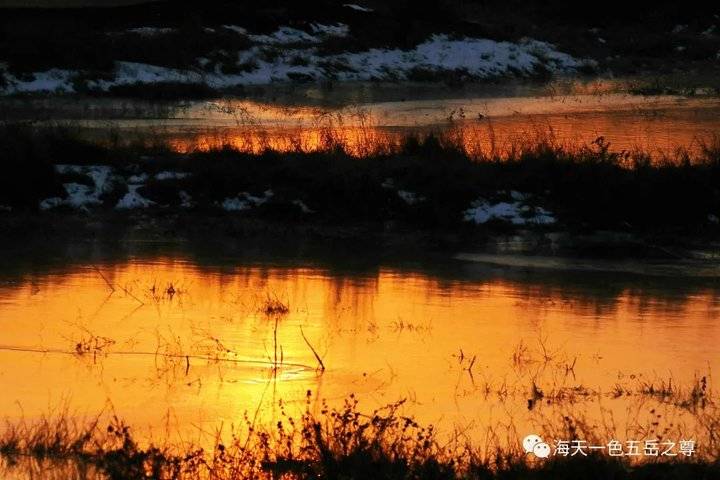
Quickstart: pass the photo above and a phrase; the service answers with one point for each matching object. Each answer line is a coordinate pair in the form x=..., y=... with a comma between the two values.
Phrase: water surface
x=463, y=342
x=486, y=121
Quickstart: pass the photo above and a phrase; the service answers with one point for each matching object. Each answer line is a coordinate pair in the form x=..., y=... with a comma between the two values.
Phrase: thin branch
x=317, y=357
x=112, y=287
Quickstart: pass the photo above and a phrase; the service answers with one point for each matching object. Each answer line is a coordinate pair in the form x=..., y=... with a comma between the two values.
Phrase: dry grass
x=587, y=186
x=339, y=442
x=272, y=306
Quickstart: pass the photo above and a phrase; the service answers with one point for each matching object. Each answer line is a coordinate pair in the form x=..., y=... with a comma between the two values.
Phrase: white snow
x=235, y=204
x=678, y=28
x=388, y=184
x=337, y=30
x=167, y=175
x=480, y=58
x=302, y=206
x=79, y=195
x=150, y=31
x=285, y=36
x=410, y=198
x=516, y=213
x=236, y=29
x=245, y=201
x=50, y=203
x=130, y=72
x=101, y=175
x=133, y=199
x=186, y=200
x=358, y=7
x=140, y=178
x=54, y=80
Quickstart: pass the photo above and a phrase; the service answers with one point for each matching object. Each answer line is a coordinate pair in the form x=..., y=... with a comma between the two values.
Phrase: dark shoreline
x=427, y=193
x=224, y=231
x=645, y=40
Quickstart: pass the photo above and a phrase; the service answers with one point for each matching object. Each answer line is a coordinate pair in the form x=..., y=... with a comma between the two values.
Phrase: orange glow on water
x=200, y=357
x=481, y=129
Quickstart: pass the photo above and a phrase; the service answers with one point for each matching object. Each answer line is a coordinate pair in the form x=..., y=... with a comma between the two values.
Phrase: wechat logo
x=535, y=445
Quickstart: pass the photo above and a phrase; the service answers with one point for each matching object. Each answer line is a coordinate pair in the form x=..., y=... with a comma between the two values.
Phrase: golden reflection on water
x=482, y=126
x=185, y=361
x=481, y=130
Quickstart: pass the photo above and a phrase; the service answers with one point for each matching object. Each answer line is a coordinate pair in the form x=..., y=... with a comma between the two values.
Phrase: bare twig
x=112, y=287
x=317, y=357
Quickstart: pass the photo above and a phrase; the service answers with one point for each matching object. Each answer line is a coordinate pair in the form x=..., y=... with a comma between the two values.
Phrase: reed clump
x=341, y=442
x=426, y=181
x=272, y=305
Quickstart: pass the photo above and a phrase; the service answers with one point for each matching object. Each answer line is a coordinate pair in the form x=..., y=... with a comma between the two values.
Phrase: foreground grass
x=424, y=182
x=338, y=443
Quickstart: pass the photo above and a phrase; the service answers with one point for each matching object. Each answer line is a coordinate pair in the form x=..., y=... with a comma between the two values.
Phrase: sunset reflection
x=495, y=127
x=202, y=353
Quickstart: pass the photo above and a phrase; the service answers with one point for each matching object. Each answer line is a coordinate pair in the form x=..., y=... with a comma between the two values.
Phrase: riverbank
x=425, y=186
x=153, y=51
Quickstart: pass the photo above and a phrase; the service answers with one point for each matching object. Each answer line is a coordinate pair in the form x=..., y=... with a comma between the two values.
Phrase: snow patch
x=50, y=203
x=302, y=206
x=235, y=204
x=54, y=80
x=479, y=58
x=337, y=30
x=289, y=35
x=127, y=73
x=133, y=199
x=410, y=198
x=186, y=200
x=678, y=28
x=245, y=201
x=79, y=195
x=150, y=31
x=285, y=36
x=358, y=8
x=167, y=175
x=141, y=178
x=236, y=29
x=516, y=213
